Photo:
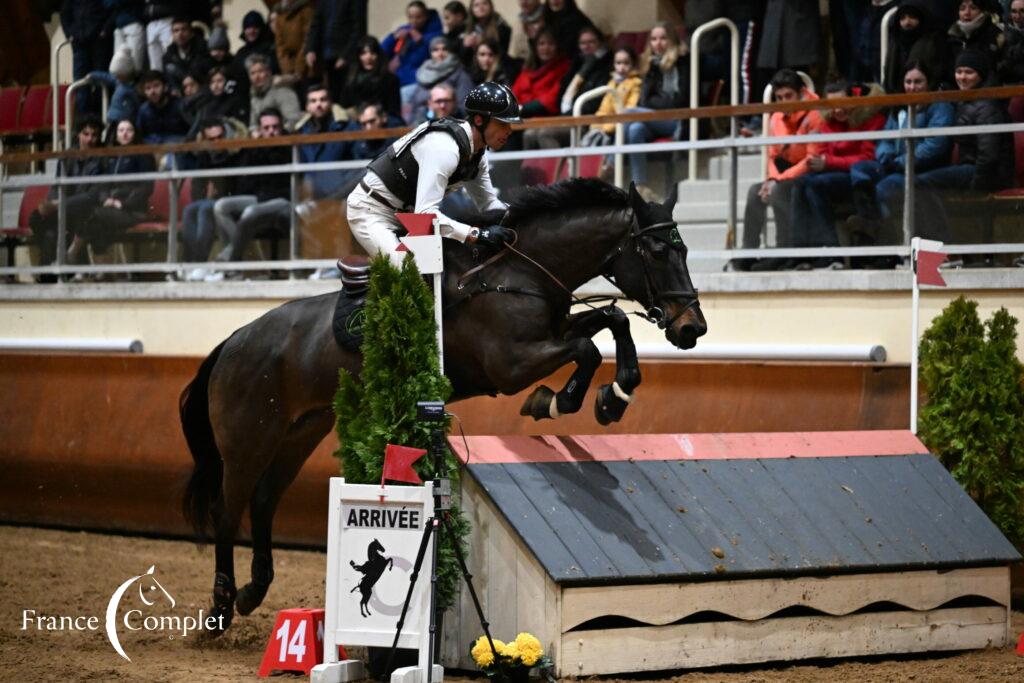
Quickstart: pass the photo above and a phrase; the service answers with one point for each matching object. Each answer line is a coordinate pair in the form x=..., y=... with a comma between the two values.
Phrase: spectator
x=290, y=27
x=409, y=45
x=877, y=185
x=589, y=69
x=321, y=117
x=976, y=29
x=264, y=95
x=337, y=28
x=160, y=117
x=913, y=35
x=256, y=40
x=236, y=80
x=79, y=200
x=442, y=67
x=625, y=94
x=367, y=79
x=868, y=52
x=531, y=21
x=985, y=162
x=128, y=30
x=566, y=20
x=84, y=23
x=124, y=103
x=263, y=200
x=187, y=54
x=453, y=21
x=121, y=205
x=537, y=85
x=219, y=104
x=666, y=68
x=847, y=18
x=1012, y=69
x=791, y=35
x=194, y=98
x=158, y=15
x=1015, y=15
x=372, y=116
x=484, y=24
x=491, y=64
x=199, y=227
x=827, y=181
x=786, y=163
x=715, y=52
x=442, y=102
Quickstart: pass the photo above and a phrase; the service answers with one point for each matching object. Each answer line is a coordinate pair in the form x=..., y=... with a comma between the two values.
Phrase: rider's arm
x=482, y=191
x=438, y=157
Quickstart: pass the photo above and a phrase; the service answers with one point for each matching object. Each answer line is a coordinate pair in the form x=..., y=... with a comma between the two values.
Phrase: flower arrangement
x=514, y=659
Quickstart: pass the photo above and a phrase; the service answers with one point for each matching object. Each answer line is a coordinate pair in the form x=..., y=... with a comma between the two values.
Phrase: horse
x=371, y=570
x=261, y=401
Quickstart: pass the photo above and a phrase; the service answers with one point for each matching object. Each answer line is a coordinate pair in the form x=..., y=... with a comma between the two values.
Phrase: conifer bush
x=400, y=367
x=974, y=417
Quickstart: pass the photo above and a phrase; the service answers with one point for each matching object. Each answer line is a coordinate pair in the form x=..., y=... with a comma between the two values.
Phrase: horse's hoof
x=540, y=405
x=223, y=610
x=608, y=407
x=250, y=597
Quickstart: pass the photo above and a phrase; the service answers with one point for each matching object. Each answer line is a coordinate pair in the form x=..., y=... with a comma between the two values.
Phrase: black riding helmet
x=493, y=100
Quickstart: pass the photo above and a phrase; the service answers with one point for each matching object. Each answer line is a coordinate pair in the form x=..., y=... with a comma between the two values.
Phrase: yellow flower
x=528, y=648
x=482, y=654
x=508, y=650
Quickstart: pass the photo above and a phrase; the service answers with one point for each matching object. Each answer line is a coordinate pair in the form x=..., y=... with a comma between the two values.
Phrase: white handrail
x=766, y=117
x=734, y=89
x=884, y=55
x=69, y=111
x=55, y=85
x=574, y=132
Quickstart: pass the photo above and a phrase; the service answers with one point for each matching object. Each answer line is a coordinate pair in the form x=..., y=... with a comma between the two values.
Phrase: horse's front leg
x=614, y=398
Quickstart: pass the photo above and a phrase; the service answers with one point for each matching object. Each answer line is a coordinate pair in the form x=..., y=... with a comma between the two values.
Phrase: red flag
x=398, y=462
x=928, y=263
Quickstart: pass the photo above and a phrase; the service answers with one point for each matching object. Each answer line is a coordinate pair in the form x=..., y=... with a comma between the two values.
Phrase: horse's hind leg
x=292, y=453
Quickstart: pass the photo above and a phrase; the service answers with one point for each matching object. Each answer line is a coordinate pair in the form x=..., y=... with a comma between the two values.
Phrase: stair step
x=749, y=167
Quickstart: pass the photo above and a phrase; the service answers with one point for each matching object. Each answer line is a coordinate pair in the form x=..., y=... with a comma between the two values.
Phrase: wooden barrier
x=94, y=441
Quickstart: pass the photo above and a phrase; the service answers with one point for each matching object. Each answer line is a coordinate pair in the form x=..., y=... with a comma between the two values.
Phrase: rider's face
x=496, y=133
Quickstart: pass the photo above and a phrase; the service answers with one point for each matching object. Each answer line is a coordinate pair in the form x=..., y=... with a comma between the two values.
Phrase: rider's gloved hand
x=495, y=236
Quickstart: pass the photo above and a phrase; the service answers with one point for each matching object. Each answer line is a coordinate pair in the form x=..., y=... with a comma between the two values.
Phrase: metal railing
x=55, y=85
x=883, y=56
x=69, y=111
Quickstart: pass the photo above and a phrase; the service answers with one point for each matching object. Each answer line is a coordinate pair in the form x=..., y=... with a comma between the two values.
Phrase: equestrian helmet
x=493, y=100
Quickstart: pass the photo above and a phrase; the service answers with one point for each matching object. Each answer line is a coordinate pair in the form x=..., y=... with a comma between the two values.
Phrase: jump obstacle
x=628, y=553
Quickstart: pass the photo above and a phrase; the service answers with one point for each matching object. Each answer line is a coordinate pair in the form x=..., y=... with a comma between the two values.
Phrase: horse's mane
x=529, y=202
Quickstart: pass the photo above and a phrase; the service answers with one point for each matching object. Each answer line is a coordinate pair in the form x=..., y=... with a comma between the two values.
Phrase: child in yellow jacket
x=625, y=94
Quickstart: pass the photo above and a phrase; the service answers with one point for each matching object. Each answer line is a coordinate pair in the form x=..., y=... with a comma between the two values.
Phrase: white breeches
x=374, y=226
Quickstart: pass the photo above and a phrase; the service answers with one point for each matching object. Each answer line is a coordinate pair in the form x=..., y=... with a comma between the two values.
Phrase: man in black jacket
x=336, y=27
x=187, y=54
x=92, y=46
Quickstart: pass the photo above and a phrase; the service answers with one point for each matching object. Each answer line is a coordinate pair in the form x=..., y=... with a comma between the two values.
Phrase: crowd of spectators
x=309, y=66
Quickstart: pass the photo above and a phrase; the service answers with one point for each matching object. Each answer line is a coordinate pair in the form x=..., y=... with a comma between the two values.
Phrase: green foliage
x=974, y=418
x=400, y=367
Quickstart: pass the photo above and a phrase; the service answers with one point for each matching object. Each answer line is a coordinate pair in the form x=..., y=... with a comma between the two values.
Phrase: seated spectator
x=236, y=79
x=124, y=102
x=666, y=68
x=160, y=117
x=453, y=21
x=129, y=31
x=187, y=54
x=531, y=21
x=484, y=24
x=372, y=116
x=976, y=29
x=292, y=19
x=877, y=185
x=263, y=94
x=589, y=69
x=491, y=64
x=409, y=45
x=537, y=85
x=786, y=163
x=121, y=205
x=199, y=227
x=256, y=40
x=368, y=79
x=791, y=35
x=625, y=94
x=333, y=36
x=218, y=103
x=1012, y=70
x=442, y=67
x=985, y=162
x=263, y=200
x=79, y=200
x=322, y=117
x=565, y=20
x=442, y=102
x=913, y=35
x=827, y=181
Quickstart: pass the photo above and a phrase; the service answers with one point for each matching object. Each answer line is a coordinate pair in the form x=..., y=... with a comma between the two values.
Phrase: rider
x=419, y=169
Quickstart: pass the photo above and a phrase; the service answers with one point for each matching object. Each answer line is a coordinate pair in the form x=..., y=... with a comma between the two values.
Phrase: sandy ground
x=74, y=574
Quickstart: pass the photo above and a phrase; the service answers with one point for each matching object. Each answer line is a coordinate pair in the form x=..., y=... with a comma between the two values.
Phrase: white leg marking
x=628, y=398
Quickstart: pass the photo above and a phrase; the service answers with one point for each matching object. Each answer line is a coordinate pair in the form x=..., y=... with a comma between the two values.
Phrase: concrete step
x=750, y=169
x=706, y=211
x=704, y=236
x=11, y=207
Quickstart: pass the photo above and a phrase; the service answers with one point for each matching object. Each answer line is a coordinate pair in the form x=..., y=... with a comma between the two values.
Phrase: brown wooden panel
x=93, y=441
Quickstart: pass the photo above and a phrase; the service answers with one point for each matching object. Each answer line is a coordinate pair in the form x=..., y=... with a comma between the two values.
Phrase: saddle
x=347, y=322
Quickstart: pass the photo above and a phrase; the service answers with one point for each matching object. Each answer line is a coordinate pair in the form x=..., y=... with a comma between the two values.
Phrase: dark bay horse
x=262, y=400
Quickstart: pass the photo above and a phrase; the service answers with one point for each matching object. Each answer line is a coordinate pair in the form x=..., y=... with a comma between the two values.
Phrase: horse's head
x=375, y=549
x=651, y=269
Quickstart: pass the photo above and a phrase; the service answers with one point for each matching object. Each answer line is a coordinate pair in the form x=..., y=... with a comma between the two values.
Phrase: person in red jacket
x=538, y=83
x=827, y=180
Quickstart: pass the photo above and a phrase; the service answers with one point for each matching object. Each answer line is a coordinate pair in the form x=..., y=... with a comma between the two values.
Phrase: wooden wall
x=93, y=441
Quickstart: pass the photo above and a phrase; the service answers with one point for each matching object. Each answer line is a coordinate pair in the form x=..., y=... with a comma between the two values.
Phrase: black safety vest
x=398, y=169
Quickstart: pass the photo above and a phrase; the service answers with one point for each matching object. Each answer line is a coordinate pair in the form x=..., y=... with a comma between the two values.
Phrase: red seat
x=159, y=210
x=10, y=108
x=20, y=234
x=590, y=166
x=34, y=109
x=539, y=171
x=1017, y=191
x=1017, y=109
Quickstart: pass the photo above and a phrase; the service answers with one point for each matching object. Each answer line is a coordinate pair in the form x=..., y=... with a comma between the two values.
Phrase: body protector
x=399, y=171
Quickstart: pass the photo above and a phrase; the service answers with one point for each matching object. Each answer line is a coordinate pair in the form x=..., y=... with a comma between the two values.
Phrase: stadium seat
x=1017, y=191
x=33, y=111
x=10, y=108
x=13, y=237
x=159, y=211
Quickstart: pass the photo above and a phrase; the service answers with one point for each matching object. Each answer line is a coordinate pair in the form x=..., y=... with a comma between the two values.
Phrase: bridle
x=655, y=314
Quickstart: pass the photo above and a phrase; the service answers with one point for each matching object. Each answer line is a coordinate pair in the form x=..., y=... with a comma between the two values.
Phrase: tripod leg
x=428, y=529
x=469, y=583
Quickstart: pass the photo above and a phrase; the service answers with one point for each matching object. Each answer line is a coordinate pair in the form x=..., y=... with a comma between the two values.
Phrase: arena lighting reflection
x=88, y=344
x=790, y=352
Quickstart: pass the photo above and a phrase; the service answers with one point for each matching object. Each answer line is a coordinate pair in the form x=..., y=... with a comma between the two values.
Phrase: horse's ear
x=670, y=200
x=635, y=200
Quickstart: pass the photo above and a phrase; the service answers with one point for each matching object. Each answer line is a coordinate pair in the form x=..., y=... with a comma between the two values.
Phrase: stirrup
x=355, y=272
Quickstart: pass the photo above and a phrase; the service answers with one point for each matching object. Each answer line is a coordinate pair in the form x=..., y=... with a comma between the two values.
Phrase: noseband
x=655, y=314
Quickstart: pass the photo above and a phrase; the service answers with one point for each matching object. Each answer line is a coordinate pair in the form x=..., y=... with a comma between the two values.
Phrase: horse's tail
x=204, y=486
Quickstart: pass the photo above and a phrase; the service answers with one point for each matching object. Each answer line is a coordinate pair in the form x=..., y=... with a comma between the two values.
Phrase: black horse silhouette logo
x=371, y=571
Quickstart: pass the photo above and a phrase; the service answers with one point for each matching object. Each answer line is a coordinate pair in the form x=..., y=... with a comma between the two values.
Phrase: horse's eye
x=659, y=248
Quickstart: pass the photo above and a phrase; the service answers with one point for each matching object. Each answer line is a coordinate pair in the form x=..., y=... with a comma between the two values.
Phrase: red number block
x=296, y=643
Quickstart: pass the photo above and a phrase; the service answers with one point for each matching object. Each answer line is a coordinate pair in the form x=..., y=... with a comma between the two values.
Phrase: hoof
x=539, y=404
x=250, y=597
x=223, y=609
x=608, y=407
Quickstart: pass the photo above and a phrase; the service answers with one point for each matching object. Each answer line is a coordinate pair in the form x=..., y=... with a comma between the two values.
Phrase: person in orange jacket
x=786, y=163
